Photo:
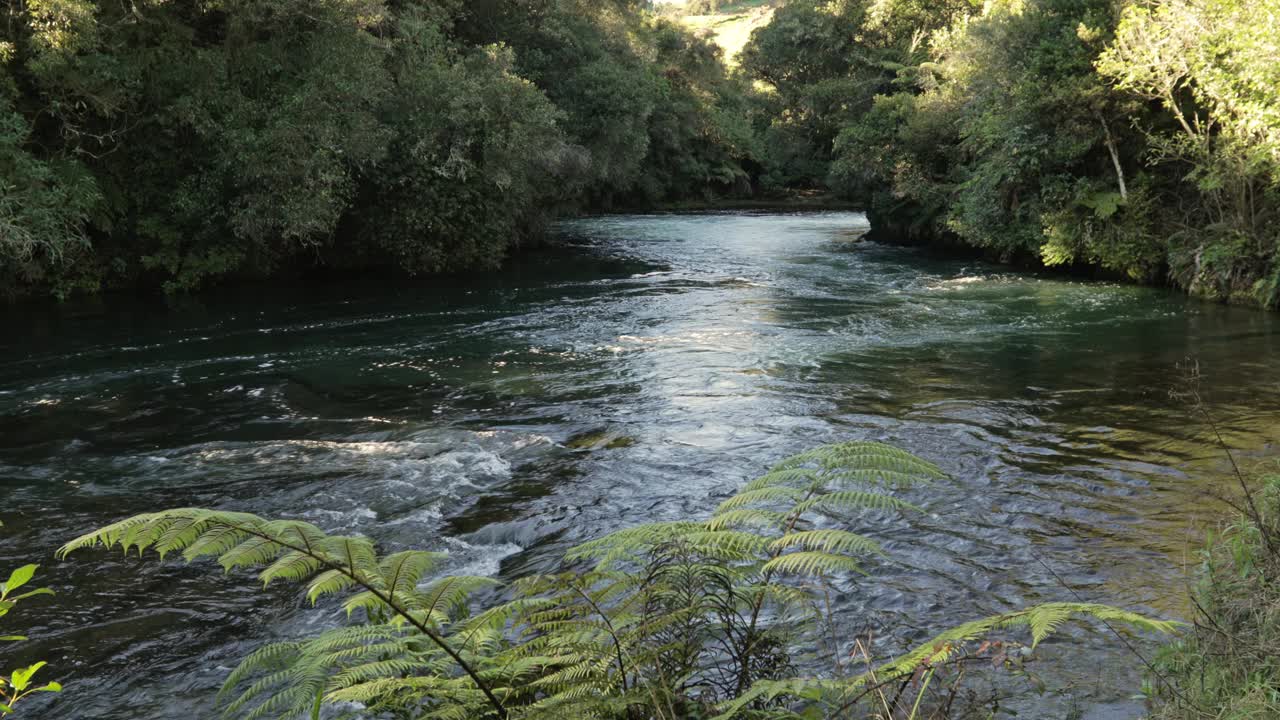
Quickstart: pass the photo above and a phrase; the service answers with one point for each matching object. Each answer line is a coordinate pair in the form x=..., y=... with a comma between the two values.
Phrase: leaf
x=812, y=563
x=18, y=578
x=20, y=679
x=33, y=593
x=1104, y=204
x=12, y=638
x=840, y=541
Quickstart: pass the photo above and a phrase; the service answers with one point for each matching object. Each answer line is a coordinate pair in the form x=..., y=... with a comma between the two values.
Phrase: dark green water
x=451, y=417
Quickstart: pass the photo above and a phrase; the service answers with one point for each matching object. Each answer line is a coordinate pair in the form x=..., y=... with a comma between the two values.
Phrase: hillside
x=731, y=26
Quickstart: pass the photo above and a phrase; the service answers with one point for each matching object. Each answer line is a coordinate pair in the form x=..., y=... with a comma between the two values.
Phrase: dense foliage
x=668, y=620
x=1141, y=136
x=157, y=143
x=1228, y=666
x=174, y=144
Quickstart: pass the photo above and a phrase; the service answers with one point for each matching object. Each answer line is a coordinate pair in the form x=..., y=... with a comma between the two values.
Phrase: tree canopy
x=158, y=144
x=174, y=144
x=1140, y=137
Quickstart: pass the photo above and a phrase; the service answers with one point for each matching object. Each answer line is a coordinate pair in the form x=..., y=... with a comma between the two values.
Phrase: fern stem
x=915, y=708
x=744, y=679
x=613, y=634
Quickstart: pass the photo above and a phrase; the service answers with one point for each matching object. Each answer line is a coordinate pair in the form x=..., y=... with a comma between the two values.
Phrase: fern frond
x=329, y=582
x=770, y=494
x=395, y=668
x=854, y=500
x=746, y=517
x=402, y=571
x=727, y=544
x=862, y=455
x=630, y=541
x=293, y=550
x=378, y=691
x=796, y=477
x=446, y=598
x=1041, y=620
x=599, y=643
x=272, y=657
x=294, y=566
x=830, y=541
x=812, y=689
x=812, y=563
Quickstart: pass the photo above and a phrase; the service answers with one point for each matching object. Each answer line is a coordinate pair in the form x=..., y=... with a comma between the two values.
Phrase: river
x=642, y=372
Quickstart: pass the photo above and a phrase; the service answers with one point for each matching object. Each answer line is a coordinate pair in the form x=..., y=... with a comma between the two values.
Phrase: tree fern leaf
x=877, y=477
x=854, y=500
x=329, y=582
x=292, y=565
x=275, y=656
x=812, y=563
x=746, y=517
x=108, y=536
x=771, y=494
x=180, y=533
x=447, y=597
x=251, y=552
x=365, y=600
x=830, y=541
x=728, y=544
x=215, y=540
x=797, y=477
x=638, y=538
x=382, y=669
x=402, y=571
x=1042, y=620
x=355, y=554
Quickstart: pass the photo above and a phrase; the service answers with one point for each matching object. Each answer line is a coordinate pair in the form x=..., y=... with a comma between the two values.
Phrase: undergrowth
x=1227, y=667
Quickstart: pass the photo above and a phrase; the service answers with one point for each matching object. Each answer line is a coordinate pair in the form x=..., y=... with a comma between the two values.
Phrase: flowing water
x=642, y=373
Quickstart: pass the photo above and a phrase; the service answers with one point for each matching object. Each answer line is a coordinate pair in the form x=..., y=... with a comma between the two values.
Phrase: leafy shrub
x=18, y=685
x=1228, y=665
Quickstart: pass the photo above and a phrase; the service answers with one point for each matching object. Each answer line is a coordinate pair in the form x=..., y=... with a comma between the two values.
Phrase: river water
x=643, y=372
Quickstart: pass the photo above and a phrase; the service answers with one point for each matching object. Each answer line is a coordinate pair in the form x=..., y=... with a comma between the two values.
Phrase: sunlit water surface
x=472, y=415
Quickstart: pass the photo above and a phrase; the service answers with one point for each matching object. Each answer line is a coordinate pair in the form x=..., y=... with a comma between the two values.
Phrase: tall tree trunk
x=1115, y=155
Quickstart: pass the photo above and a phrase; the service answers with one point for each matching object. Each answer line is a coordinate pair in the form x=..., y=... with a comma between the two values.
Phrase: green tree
x=1213, y=68
x=181, y=144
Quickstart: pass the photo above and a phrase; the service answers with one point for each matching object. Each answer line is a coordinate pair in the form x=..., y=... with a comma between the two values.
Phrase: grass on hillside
x=730, y=27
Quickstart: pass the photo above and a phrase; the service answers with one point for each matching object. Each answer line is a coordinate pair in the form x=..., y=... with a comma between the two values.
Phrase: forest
x=175, y=145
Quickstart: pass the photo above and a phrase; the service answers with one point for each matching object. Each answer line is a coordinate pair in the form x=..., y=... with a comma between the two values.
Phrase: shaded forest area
x=153, y=143
x=176, y=144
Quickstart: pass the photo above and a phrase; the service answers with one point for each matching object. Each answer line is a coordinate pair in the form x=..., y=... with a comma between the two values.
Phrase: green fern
x=664, y=620
x=731, y=568
x=287, y=679
x=1041, y=620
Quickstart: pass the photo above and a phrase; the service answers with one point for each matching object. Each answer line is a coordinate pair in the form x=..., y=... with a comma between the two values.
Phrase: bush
x=1228, y=665
x=18, y=684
